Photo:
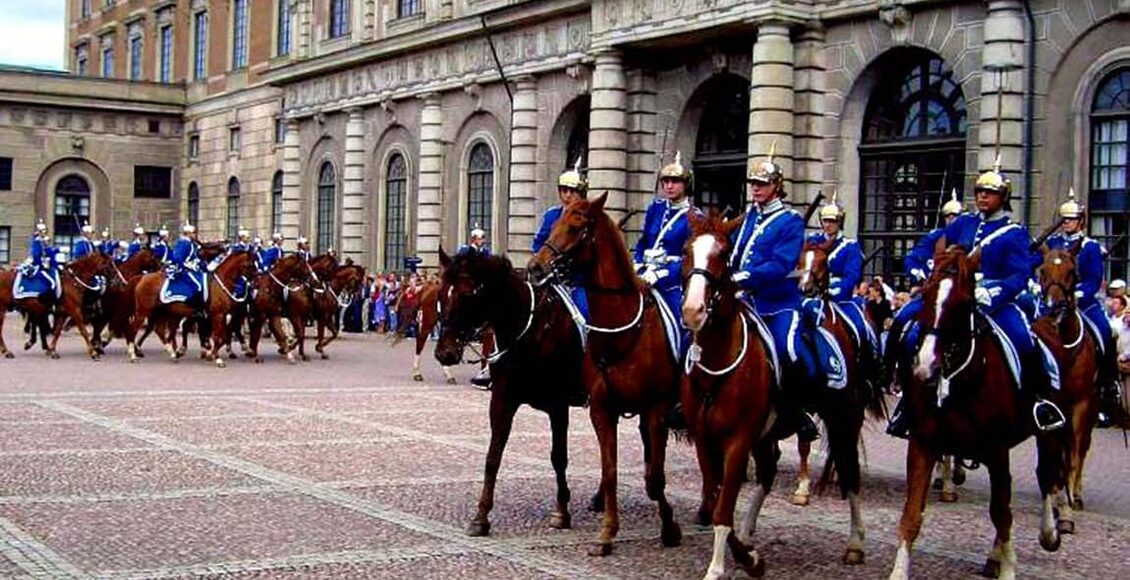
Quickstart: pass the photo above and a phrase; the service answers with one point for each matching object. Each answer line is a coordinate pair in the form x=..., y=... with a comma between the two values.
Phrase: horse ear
x=695, y=220
x=444, y=259
x=597, y=204
x=1074, y=250
x=975, y=260
x=1043, y=251
x=729, y=226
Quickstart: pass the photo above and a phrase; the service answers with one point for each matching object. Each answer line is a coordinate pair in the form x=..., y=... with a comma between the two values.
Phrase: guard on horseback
x=160, y=248
x=571, y=186
x=140, y=241
x=269, y=255
x=242, y=242
x=185, y=278
x=477, y=243
x=303, y=249
x=39, y=273
x=83, y=246
x=766, y=250
x=658, y=254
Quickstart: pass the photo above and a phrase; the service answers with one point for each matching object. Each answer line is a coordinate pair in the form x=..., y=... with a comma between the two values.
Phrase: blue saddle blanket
x=37, y=283
x=183, y=286
x=677, y=337
x=574, y=311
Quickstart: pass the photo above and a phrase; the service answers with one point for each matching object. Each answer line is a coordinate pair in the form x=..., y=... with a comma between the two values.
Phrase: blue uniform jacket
x=1006, y=259
x=39, y=250
x=184, y=255
x=268, y=256
x=919, y=261
x=160, y=251
x=549, y=218
x=1088, y=265
x=766, y=250
x=107, y=247
x=485, y=250
x=845, y=266
x=665, y=227
x=239, y=247
x=82, y=247
x=134, y=247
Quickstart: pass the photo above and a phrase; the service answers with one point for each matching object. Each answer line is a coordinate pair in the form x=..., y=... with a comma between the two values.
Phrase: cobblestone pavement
x=347, y=468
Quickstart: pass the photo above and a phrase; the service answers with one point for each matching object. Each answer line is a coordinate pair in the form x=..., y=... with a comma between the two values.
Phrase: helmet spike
x=997, y=162
x=953, y=194
x=772, y=150
x=1071, y=193
x=577, y=165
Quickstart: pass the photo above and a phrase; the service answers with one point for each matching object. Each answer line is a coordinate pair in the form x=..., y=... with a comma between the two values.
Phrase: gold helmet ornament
x=138, y=230
x=676, y=169
x=767, y=171
x=477, y=232
x=40, y=226
x=1071, y=209
x=164, y=231
x=188, y=228
x=953, y=206
x=994, y=181
x=832, y=210
x=87, y=228
x=573, y=179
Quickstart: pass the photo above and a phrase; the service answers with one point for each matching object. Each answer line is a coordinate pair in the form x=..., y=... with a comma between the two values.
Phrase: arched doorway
x=722, y=144
x=912, y=154
x=1109, y=200
x=71, y=211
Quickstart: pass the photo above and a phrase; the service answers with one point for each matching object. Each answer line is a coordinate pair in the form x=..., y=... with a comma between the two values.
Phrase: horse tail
x=875, y=401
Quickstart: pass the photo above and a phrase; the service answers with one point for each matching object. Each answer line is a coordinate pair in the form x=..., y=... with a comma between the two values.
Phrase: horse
x=537, y=363
x=428, y=318
x=1077, y=354
x=960, y=401
x=277, y=295
x=726, y=393
x=117, y=302
x=338, y=291
x=631, y=369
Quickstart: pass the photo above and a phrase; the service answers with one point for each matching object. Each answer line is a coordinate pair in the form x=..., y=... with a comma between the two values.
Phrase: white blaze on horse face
x=926, y=356
x=806, y=275
x=694, y=303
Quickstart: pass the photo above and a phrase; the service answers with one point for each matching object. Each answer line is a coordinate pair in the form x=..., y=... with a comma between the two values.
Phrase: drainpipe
x=1029, y=111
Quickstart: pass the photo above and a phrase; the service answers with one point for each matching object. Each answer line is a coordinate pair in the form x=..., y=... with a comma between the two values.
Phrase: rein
x=944, y=382
x=497, y=354
x=94, y=286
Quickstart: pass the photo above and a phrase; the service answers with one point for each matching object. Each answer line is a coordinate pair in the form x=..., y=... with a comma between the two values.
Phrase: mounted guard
x=185, y=279
x=106, y=244
x=84, y=246
x=160, y=248
x=140, y=240
x=242, y=242
x=270, y=254
x=571, y=186
x=39, y=273
x=303, y=249
x=477, y=243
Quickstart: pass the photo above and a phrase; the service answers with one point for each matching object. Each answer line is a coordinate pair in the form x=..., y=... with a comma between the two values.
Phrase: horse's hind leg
x=46, y=330
x=559, y=457
x=947, y=466
x=656, y=477
x=1002, y=561
x=501, y=421
x=3, y=346
x=800, y=495
x=604, y=423
x=765, y=456
x=919, y=466
x=844, y=426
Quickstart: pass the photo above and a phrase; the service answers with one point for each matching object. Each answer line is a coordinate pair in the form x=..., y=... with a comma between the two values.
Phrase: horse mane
x=606, y=230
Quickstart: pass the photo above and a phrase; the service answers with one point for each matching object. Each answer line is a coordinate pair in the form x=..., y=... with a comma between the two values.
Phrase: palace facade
x=382, y=128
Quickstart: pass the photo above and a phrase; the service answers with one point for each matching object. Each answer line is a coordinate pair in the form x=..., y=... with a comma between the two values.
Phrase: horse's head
x=1058, y=277
x=349, y=279
x=324, y=265
x=237, y=264
x=948, y=306
x=290, y=268
x=705, y=272
x=141, y=262
x=93, y=264
x=570, y=243
x=812, y=268
x=210, y=250
x=468, y=300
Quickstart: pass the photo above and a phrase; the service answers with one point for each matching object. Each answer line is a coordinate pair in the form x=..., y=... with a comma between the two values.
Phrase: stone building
x=382, y=127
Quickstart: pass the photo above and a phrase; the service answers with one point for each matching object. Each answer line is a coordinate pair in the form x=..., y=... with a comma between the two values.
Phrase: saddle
x=186, y=286
x=38, y=283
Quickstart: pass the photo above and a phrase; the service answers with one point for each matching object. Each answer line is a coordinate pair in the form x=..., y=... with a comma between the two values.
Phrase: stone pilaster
x=608, y=131
x=808, y=142
x=771, y=96
x=303, y=30
x=429, y=211
x=1002, y=83
x=354, y=226
x=522, y=221
x=292, y=183
x=644, y=142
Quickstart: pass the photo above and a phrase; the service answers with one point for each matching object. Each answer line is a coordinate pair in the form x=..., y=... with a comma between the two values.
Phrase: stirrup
x=481, y=381
x=1058, y=423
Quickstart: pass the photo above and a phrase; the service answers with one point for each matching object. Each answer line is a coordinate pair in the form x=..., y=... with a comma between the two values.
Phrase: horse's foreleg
x=1082, y=425
x=919, y=466
x=76, y=315
x=1002, y=561
x=254, y=330
x=655, y=477
x=604, y=423
x=947, y=466
x=220, y=338
x=501, y=421
x=3, y=346
x=55, y=333
x=320, y=345
x=765, y=456
x=800, y=495
x=708, y=465
x=559, y=457
x=736, y=450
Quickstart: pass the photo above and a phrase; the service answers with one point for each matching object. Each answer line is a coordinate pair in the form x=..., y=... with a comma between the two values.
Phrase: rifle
x=1043, y=237
x=812, y=207
x=622, y=223
x=867, y=259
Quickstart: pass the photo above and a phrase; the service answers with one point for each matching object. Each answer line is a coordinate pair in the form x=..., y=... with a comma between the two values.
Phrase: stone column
x=608, y=131
x=644, y=142
x=808, y=119
x=522, y=221
x=429, y=211
x=354, y=226
x=302, y=31
x=292, y=182
x=1002, y=83
x=771, y=96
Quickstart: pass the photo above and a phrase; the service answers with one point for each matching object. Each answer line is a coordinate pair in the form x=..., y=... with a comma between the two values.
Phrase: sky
x=32, y=32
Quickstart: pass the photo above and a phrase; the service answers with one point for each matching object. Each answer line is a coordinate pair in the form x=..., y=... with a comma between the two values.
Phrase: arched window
x=327, y=193
x=912, y=153
x=193, y=203
x=72, y=210
x=480, y=187
x=232, y=224
x=1109, y=201
x=396, y=187
x=276, y=201
x=721, y=144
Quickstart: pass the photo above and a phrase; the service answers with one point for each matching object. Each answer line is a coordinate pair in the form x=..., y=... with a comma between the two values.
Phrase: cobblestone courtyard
x=347, y=468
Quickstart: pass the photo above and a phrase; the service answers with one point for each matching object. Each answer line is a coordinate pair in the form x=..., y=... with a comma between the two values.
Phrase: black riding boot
x=1045, y=413
x=899, y=424
x=1111, y=412
x=482, y=380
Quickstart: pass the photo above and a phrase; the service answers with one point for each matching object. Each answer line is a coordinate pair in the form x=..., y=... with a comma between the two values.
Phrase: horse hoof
x=1050, y=542
x=54, y=355
x=419, y=378
x=703, y=517
x=992, y=569
x=305, y=358
x=325, y=356
x=947, y=497
x=450, y=380
x=479, y=529
x=758, y=569
x=221, y=363
x=258, y=360
x=560, y=521
x=800, y=499
x=9, y=355
x=1076, y=504
x=233, y=356
x=671, y=536
x=601, y=549
x=28, y=345
x=853, y=557
x=596, y=503
x=1065, y=527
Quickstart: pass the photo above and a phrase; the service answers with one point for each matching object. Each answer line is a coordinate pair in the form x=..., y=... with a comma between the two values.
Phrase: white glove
x=918, y=274
x=739, y=276
x=649, y=277
x=982, y=295
x=1034, y=287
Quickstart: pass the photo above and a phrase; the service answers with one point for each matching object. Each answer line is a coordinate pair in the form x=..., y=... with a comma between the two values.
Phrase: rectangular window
x=107, y=58
x=339, y=18
x=165, y=72
x=233, y=217
x=280, y=130
x=84, y=8
x=152, y=182
x=5, y=245
x=193, y=146
x=80, y=60
x=199, y=45
x=406, y=8
x=239, y=34
x=154, y=126
x=233, y=139
x=135, y=52
x=282, y=47
x=5, y=174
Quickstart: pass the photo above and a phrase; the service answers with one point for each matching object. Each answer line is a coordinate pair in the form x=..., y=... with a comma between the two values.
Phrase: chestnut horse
x=117, y=302
x=277, y=295
x=1077, y=354
x=427, y=318
x=338, y=291
x=537, y=363
x=630, y=367
x=960, y=400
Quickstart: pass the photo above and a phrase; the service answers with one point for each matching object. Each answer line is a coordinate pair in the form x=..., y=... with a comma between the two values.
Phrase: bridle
x=564, y=259
x=949, y=357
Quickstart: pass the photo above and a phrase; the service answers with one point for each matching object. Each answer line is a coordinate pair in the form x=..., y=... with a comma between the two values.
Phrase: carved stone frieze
x=617, y=14
x=897, y=17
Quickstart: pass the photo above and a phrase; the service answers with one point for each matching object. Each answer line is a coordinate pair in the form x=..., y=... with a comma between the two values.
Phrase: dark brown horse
x=537, y=363
x=960, y=400
x=726, y=393
x=277, y=295
x=337, y=292
x=1077, y=355
x=117, y=302
x=631, y=369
